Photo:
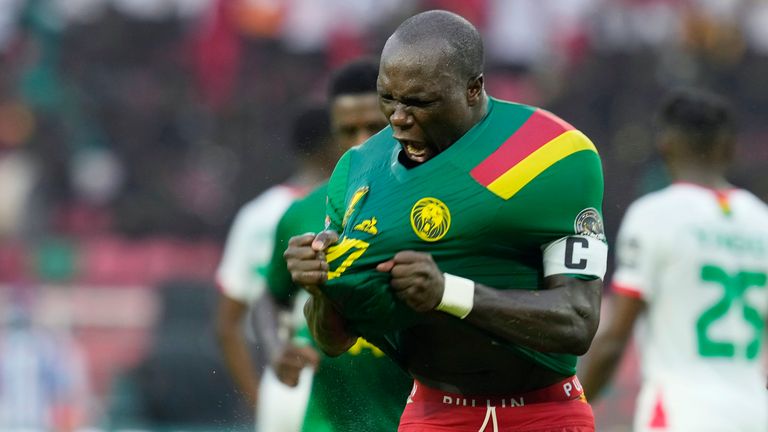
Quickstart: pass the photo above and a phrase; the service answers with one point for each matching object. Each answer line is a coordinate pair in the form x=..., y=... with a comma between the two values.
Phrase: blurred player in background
x=362, y=389
x=470, y=249
x=241, y=274
x=692, y=270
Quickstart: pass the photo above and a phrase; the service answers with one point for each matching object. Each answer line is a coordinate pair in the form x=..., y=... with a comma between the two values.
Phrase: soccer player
x=470, y=244
x=362, y=380
x=692, y=266
x=240, y=275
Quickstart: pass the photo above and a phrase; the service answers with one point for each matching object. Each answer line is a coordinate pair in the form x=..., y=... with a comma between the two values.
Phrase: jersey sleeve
x=337, y=192
x=279, y=280
x=569, y=212
x=637, y=252
x=238, y=276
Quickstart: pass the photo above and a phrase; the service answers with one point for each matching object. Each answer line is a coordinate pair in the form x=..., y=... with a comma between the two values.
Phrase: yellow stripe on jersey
x=514, y=179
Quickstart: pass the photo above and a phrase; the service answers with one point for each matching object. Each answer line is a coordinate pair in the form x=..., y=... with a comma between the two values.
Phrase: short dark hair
x=460, y=35
x=701, y=116
x=356, y=77
x=311, y=129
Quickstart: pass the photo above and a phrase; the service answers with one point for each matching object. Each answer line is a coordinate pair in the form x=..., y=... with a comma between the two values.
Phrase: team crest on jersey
x=356, y=198
x=430, y=219
x=588, y=222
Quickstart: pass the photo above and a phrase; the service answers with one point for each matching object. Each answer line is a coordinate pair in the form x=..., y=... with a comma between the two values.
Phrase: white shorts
x=282, y=408
x=681, y=408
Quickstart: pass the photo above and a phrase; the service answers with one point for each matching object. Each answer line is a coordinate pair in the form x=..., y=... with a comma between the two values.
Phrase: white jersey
x=242, y=276
x=699, y=259
x=241, y=273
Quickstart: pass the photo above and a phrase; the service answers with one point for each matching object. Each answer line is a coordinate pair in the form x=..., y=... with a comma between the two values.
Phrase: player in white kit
x=242, y=271
x=692, y=266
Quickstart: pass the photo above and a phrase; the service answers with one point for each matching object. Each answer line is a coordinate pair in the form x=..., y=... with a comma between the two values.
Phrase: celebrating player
x=692, y=266
x=469, y=247
x=363, y=378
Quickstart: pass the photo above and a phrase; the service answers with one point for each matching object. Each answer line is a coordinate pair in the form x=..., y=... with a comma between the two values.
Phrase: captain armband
x=576, y=254
x=458, y=296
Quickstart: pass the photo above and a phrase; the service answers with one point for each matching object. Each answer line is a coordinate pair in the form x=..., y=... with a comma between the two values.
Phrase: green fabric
x=490, y=240
x=361, y=390
x=304, y=215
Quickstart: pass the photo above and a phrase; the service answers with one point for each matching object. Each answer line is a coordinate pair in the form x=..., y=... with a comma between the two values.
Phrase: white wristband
x=458, y=296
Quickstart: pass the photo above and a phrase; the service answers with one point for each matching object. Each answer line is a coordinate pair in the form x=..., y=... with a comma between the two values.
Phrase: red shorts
x=560, y=407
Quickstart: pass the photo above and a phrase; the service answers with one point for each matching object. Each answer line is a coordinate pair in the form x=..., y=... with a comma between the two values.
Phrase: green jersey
x=361, y=389
x=484, y=208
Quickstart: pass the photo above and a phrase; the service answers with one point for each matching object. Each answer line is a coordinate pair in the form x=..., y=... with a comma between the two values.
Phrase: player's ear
x=475, y=90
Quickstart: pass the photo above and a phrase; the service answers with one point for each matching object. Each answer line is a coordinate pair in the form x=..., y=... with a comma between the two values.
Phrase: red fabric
x=659, y=418
x=217, y=55
x=626, y=291
x=567, y=389
x=560, y=407
x=538, y=130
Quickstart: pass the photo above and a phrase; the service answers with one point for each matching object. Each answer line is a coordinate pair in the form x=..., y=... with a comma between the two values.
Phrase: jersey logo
x=588, y=222
x=362, y=344
x=430, y=219
x=356, y=198
x=543, y=140
x=367, y=226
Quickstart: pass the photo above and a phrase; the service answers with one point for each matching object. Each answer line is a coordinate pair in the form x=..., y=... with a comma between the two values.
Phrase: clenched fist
x=416, y=279
x=305, y=258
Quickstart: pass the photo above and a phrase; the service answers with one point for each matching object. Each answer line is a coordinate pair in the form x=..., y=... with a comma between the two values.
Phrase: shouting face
x=426, y=100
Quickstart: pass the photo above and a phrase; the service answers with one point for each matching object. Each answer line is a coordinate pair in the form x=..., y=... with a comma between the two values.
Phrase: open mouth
x=415, y=151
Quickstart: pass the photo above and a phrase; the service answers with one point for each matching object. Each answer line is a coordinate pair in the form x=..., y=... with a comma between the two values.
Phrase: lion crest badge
x=430, y=219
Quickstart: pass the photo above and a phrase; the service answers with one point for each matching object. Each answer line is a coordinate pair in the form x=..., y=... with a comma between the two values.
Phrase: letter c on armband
x=577, y=254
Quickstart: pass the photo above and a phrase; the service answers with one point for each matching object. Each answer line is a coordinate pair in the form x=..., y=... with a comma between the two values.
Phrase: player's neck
x=482, y=108
x=712, y=179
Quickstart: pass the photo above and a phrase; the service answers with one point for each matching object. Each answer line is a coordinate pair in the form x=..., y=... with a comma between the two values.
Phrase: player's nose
x=400, y=117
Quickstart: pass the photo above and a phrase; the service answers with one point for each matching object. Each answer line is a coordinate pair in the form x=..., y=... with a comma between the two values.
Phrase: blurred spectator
x=43, y=379
x=17, y=180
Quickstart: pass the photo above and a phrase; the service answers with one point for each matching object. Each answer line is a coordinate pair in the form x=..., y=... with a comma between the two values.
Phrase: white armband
x=458, y=296
x=576, y=254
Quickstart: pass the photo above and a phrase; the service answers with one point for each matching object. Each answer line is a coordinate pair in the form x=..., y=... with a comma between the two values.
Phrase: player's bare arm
x=305, y=258
x=562, y=317
x=602, y=359
x=229, y=316
x=328, y=327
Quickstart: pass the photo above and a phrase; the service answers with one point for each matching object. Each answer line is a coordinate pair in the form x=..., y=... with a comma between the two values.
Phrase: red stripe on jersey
x=724, y=201
x=626, y=290
x=540, y=128
x=722, y=195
